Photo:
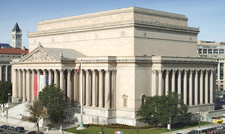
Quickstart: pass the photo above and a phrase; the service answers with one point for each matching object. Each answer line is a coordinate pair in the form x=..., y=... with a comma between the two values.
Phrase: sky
x=209, y=15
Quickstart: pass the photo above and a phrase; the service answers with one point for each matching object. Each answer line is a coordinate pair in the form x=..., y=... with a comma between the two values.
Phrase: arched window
x=143, y=97
x=124, y=99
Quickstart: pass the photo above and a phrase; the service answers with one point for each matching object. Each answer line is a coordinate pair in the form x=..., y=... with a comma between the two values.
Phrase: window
x=125, y=102
x=204, y=51
x=221, y=51
x=215, y=51
x=209, y=51
x=143, y=97
x=125, y=97
x=199, y=51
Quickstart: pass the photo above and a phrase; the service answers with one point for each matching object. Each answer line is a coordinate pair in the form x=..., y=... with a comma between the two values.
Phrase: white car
x=219, y=128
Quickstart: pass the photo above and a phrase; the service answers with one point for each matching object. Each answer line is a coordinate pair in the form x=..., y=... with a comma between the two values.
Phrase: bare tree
x=36, y=111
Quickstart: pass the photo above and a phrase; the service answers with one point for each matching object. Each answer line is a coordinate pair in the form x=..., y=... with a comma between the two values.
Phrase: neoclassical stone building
x=126, y=54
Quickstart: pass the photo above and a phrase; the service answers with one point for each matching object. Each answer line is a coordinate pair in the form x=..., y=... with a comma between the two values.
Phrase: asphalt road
x=5, y=131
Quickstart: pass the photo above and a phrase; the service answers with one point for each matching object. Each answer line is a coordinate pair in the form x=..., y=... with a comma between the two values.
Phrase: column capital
x=62, y=70
x=107, y=71
x=69, y=70
x=180, y=71
x=114, y=71
x=160, y=71
x=167, y=71
x=154, y=71
x=55, y=70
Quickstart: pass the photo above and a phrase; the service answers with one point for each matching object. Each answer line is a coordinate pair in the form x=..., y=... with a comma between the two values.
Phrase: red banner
x=35, y=85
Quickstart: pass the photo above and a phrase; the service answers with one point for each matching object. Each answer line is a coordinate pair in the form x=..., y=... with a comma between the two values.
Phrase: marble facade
x=126, y=54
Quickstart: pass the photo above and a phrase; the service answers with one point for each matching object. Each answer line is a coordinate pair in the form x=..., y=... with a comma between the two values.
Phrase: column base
x=16, y=100
x=81, y=128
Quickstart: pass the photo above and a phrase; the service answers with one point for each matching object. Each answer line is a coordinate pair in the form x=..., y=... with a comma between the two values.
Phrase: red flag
x=78, y=70
x=35, y=85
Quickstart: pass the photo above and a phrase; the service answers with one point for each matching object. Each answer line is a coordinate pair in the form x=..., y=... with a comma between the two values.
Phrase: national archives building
x=127, y=54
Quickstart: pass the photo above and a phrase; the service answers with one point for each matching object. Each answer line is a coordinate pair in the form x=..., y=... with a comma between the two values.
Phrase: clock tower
x=16, y=37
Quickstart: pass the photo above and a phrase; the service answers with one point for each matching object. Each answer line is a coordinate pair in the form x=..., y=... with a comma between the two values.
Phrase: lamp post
x=9, y=97
x=170, y=124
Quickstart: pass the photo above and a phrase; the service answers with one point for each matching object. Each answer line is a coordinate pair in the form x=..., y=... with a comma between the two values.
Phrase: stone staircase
x=15, y=113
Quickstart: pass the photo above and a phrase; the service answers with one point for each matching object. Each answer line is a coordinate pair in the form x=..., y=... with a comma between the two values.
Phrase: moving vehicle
x=19, y=129
x=203, y=130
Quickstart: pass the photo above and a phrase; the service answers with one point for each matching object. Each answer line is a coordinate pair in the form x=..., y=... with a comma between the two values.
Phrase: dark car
x=19, y=129
x=35, y=132
x=10, y=128
x=4, y=126
x=32, y=132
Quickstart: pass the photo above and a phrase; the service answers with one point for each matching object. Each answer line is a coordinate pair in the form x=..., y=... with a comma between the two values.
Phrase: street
x=5, y=131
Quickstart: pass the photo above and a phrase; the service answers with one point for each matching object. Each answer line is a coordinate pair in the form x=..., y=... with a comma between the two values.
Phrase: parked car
x=223, y=125
x=219, y=128
x=35, y=132
x=4, y=126
x=10, y=128
x=182, y=132
x=19, y=129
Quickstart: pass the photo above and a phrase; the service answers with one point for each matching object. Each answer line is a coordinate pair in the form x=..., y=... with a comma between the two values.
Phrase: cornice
x=116, y=11
x=115, y=24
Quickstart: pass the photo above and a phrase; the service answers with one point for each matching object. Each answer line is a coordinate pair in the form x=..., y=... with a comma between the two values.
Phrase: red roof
x=13, y=51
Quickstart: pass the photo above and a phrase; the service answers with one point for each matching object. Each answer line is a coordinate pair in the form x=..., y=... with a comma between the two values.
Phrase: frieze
x=39, y=56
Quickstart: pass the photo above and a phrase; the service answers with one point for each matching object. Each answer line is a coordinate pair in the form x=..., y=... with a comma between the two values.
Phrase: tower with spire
x=16, y=36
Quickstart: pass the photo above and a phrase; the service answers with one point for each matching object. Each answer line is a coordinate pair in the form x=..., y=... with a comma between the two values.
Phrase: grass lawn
x=96, y=130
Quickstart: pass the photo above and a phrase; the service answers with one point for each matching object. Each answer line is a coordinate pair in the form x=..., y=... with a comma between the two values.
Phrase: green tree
x=5, y=88
x=158, y=109
x=36, y=111
x=51, y=95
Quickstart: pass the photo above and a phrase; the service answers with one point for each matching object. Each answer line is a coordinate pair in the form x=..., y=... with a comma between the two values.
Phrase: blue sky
x=209, y=15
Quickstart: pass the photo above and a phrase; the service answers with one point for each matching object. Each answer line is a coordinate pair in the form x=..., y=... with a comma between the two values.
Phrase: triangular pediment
x=39, y=55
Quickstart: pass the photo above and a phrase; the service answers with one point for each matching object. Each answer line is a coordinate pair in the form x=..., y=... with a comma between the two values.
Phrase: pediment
x=39, y=56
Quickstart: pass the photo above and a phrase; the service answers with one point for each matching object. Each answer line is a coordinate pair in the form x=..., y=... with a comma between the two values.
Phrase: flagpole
x=81, y=127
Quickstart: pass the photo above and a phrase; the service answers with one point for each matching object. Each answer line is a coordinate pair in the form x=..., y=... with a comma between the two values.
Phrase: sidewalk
x=189, y=129
x=15, y=123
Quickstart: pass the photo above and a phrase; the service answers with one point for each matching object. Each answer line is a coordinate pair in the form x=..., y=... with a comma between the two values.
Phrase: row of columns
x=7, y=70
x=98, y=85
x=193, y=84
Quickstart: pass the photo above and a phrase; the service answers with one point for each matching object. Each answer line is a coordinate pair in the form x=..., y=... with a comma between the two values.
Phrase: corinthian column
x=201, y=87
x=160, y=82
x=93, y=89
x=196, y=87
x=62, y=80
x=179, y=80
x=185, y=86
x=191, y=87
x=167, y=82
x=154, y=82
x=173, y=80
x=44, y=79
x=107, y=89
x=20, y=84
x=14, y=93
x=32, y=87
x=24, y=86
x=28, y=89
x=69, y=92
x=100, y=89
x=206, y=86
x=211, y=87
x=49, y=76
x=76, y=86
x=55, y=77
x=87, y=88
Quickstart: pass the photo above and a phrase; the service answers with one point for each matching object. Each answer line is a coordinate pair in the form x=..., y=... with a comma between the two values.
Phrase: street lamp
x=170, y=124
x=9, y=97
